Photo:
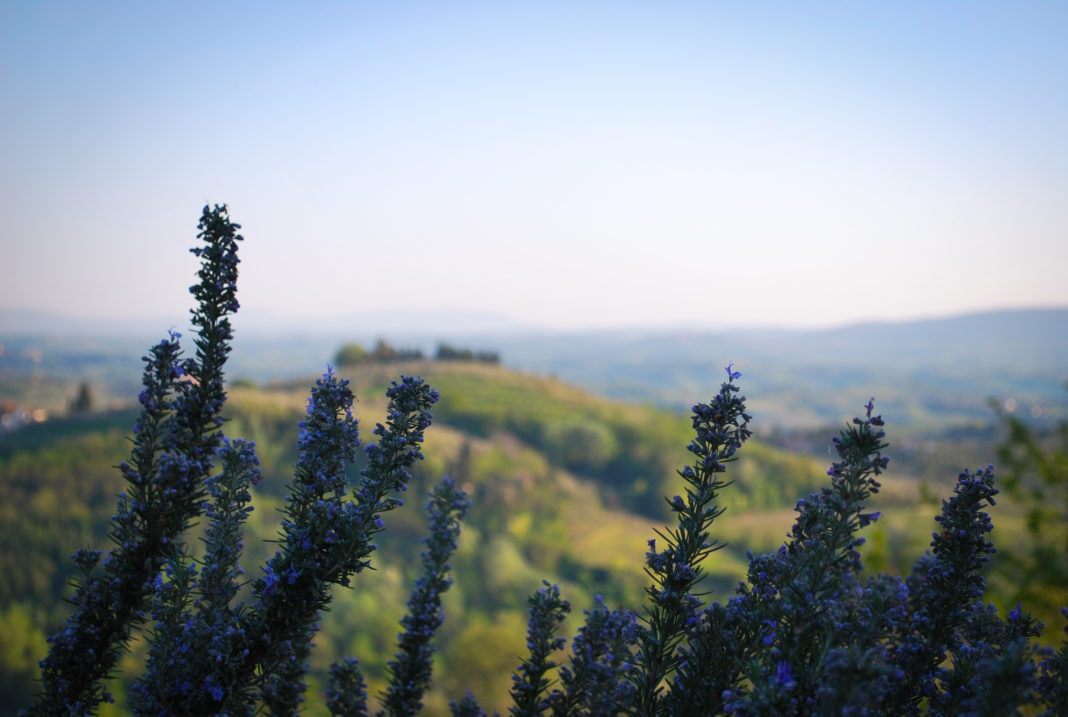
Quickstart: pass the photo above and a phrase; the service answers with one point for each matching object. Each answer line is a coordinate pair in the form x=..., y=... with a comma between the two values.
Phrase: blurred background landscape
x=567, y=444
x=569, y=217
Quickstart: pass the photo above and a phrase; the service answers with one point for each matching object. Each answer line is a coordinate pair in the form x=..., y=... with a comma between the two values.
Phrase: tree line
x=353, y=354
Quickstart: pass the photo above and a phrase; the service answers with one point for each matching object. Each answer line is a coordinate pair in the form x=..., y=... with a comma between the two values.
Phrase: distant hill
x=926, y=375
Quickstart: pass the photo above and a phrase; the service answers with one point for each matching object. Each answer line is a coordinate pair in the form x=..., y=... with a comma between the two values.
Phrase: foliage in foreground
x=804, y=634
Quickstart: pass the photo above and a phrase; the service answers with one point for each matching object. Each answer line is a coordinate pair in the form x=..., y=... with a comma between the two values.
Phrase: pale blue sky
x=566, y=165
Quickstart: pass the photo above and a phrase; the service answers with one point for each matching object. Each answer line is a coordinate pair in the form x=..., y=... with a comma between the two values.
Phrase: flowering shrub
x=805, y=633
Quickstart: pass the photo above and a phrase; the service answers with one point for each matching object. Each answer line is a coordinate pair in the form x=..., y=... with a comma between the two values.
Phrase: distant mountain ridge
x=956, y=362
x=924, y=371
x=427, y=324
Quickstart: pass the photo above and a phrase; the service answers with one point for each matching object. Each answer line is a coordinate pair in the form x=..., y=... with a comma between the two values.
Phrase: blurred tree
x=354, y=354
x=447, y=352
x=384, y=352
x=1034, y=466
x=580, y=445
x=22, y=644
x=461, y=468
x=83, y=402
x=351, y=355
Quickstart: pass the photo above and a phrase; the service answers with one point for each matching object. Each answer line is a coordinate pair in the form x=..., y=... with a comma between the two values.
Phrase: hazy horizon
x=444, y=324
x=562, y=166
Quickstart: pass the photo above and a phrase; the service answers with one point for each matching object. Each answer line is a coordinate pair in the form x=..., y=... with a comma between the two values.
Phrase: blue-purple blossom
x=410, y=671
x=720, y=427
x=530, y=682
x=175, y=435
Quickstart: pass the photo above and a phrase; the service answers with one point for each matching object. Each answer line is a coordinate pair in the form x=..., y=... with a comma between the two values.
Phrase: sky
x=561, y=165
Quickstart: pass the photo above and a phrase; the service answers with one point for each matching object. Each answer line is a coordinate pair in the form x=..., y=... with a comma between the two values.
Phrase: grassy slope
x=542, y=508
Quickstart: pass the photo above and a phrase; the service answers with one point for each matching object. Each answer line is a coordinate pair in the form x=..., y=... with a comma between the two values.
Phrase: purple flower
x=784, y=676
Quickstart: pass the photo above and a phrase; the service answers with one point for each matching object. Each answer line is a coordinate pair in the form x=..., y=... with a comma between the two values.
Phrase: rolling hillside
x=565, y=486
